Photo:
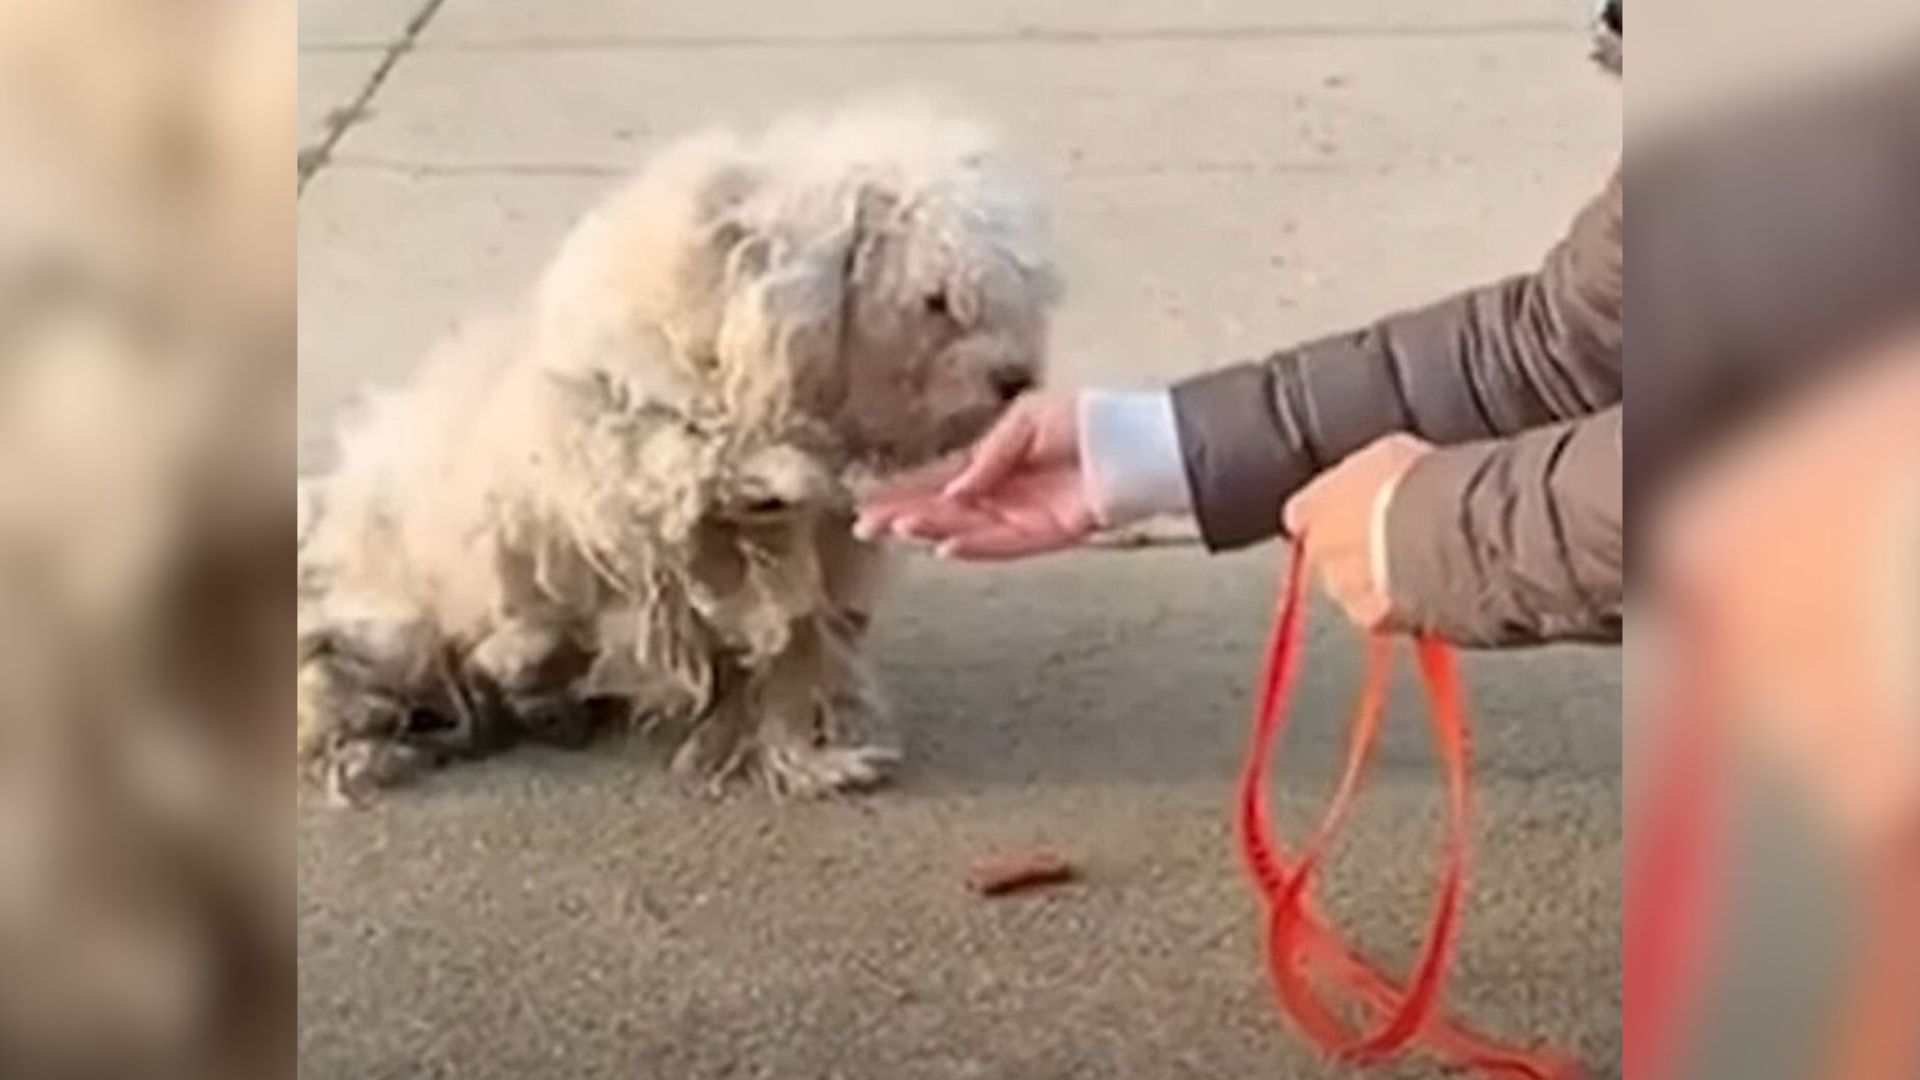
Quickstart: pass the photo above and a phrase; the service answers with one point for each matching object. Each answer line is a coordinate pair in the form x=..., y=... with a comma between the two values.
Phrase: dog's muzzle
x=1011, y=380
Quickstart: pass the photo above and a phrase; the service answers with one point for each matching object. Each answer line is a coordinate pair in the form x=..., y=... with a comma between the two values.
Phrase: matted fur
x=636, y=491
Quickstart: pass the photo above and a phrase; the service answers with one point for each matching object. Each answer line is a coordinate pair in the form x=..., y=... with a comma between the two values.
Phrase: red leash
x=1299, y=943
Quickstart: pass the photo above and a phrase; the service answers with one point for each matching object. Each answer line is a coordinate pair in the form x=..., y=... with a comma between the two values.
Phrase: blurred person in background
x=146, y=401
x=1792, y=552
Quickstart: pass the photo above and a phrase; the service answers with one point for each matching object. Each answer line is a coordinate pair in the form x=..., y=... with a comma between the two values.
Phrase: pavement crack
x=1045, y=35
x=378, y=163
x=341, y=119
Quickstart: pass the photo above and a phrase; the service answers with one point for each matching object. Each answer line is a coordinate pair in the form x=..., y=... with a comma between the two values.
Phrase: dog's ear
x=783, y=330
x=637, y=294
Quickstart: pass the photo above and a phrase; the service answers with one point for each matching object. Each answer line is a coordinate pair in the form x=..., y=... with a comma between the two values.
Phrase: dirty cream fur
x=633, y=495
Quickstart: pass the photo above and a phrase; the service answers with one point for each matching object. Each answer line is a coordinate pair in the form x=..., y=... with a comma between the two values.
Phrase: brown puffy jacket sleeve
x=1513, y=541
x=1762, y=251
x=1533, y=349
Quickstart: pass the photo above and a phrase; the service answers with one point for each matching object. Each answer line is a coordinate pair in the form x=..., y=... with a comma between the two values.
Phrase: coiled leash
x=1299, y=943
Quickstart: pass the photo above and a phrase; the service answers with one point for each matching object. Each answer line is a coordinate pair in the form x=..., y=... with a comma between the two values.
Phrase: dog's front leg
x=856, y=574
x=532, y=664
x=718, y=748
x=793, y=700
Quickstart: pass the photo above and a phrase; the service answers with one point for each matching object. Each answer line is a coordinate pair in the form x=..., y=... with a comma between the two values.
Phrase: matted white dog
x=635, y=495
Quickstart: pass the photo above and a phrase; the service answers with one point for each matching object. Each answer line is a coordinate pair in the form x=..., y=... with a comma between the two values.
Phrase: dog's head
x=904, y=263
x=879, y=275
x=946, y=290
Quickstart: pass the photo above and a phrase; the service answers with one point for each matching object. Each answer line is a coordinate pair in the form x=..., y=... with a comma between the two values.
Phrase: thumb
x=1298, y=511
x=999, y=454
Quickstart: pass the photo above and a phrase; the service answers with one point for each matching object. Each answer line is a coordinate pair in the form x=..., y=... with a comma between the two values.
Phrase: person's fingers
x=874, y=522
x=925, y=520
x=1021, y=503
x=941, y=520
x=1029, y=527
x=1002, y=542
x=909, y=493
x=998, y=454
x=914, y=484
x=1030, y=512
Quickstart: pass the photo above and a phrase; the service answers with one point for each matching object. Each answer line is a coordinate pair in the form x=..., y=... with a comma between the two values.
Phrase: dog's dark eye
x=937, y=303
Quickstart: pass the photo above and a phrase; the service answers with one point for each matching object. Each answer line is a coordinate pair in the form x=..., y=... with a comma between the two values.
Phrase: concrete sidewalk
x=1229, y=176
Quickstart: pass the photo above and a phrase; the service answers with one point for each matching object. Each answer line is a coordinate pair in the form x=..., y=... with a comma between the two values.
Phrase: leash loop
x=1300, y=944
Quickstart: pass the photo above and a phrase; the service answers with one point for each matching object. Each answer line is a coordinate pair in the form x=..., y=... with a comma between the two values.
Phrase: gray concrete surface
x=1228, y=176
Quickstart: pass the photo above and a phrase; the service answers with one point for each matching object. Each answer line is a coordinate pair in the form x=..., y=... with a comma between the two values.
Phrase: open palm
x=1019, y=492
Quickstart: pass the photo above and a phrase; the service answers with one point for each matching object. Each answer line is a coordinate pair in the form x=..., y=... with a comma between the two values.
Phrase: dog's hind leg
x=357, y=687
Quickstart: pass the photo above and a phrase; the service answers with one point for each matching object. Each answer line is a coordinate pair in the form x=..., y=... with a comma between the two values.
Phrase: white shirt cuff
x=1130, y=456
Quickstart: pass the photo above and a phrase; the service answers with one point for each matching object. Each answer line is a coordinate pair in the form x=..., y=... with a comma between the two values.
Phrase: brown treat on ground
x=1015, y=871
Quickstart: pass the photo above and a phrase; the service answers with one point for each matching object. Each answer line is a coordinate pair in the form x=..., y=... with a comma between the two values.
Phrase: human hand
x=1019, y=491
x=1342, y=514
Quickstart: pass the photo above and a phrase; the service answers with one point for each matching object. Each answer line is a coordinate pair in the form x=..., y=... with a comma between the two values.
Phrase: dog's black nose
x=1011, y=380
